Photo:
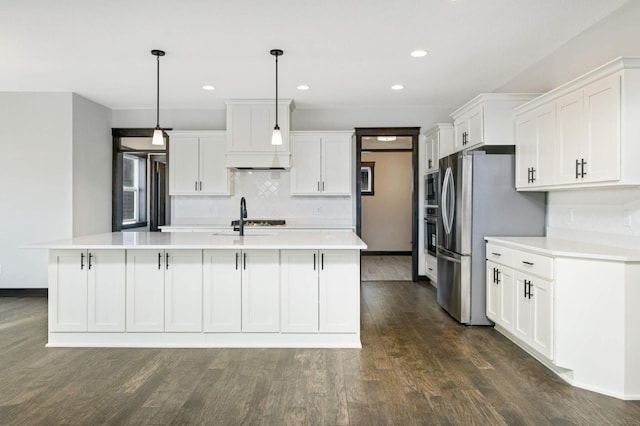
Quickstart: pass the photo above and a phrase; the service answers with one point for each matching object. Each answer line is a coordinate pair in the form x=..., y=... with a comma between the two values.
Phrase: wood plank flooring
x=417, y=366
x=386, y=268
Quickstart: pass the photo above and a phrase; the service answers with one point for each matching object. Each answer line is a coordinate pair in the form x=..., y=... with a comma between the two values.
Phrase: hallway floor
x=386, y=268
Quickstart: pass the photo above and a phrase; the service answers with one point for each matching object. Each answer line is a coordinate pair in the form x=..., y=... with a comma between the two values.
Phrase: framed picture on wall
x=366, y=171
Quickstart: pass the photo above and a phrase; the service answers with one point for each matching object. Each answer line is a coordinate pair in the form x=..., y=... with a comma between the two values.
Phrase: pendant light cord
x=158, y=93
x=277, y=90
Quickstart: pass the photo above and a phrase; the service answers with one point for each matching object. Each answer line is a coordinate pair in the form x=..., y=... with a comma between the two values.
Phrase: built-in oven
x=430, y=239
x=431, y=185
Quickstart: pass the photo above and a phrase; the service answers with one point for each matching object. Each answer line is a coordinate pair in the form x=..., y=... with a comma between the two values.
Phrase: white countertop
x=569, y=248
x=248, y=227
x=261, y=239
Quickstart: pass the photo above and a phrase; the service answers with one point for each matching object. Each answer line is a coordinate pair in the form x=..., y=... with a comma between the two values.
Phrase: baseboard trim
x=24, y=292
x=386, y=253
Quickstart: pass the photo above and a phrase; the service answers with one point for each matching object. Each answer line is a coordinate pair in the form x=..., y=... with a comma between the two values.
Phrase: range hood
x=250, y=124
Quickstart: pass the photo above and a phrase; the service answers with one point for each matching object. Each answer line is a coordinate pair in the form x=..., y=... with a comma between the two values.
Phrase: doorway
x=401, y=143
x=140, y=186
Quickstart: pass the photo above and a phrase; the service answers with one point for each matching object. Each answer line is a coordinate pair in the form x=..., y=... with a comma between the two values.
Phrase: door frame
x=414, y=133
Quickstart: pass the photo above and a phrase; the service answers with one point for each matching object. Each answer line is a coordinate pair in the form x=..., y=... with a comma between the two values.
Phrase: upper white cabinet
x=536, y=138
x=321, y=163
x=250, y=125
x=584, y=133
x=487, y=119
x=197, y=163
x=438, y=144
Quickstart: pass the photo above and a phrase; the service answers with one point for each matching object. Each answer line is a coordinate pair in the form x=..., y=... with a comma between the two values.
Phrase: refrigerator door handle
x=449, y=258
x=452, y=189
x=445, y=198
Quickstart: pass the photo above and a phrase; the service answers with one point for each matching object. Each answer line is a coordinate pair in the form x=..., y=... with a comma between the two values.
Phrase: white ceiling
x=349, y=52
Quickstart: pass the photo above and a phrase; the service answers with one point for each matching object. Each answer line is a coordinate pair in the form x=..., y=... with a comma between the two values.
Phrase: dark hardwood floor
x=417, y=366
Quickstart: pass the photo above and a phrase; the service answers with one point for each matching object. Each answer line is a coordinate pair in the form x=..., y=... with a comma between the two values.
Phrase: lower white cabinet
x=87, y=290
x=320, y=291
x=241, y=291
x=164, y=290
x=431, y=266
x=520, y=296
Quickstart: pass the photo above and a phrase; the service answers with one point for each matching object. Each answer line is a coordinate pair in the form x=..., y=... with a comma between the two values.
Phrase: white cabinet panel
x=500, y=295
x=571, y=134
x=534, y=313
x=145, y=290
x=222, y=291
x=106, y=290
x=260, y=291
x=321, y=163
x=183, y=290
x=197, y=163
x=535, y=135
x=299, y=288
x=339, y=291
x=68, y=290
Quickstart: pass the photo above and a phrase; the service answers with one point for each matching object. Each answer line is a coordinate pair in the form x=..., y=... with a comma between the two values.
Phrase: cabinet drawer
x=499, y=254
x=535, y=264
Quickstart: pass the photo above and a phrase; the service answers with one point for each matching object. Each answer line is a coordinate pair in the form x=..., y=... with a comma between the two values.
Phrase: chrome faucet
x=243, y=215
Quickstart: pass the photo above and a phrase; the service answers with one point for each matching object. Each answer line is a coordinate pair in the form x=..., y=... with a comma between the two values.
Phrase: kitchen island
x=196, y=289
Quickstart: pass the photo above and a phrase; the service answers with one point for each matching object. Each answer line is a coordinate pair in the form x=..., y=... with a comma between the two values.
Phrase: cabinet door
x=68, y=290
x=526, y=149
x=183, y=169
x=431, y=149
x=523, y=308
x=493, y=292
x=106, y=290
x=305, y=164
x=214, y=174
x=336, y=165
x=145, y=290
x=506, y=313
x=432, y=268
x=571, y=133
x=339, y=291
x=299, y=290
x=476, y=127
x=602, y=120
x=260, y=291
x=222, y=292
x=542, y=317
x=461, y=131
x=183, y=290
x=544, y=173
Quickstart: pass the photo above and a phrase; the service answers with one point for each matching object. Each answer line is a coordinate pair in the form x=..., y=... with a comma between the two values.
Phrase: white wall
x=91, y=167
x=35, y=182
x=591, y=215
x=387, y=215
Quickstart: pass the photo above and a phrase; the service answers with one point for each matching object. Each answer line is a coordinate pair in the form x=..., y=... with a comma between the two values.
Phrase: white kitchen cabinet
x=222, y=291
x=183, y=290
x=487, y=119
x=250, y=126
x=594, y=142
x=520, y=296
x=260, y=291
x=86, y=291
x=431, y=268
x=164, y=290
x=197, y=164
x=439, y=144
x=536, y=139
x=339, y=291
x=321, y=163
x=299, y=290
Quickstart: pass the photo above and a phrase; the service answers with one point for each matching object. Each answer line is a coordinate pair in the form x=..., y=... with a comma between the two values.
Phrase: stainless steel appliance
x=478, y=198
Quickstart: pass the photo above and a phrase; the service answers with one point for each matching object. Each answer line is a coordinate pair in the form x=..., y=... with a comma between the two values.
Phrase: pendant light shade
x=276, y=138
x=158, y=134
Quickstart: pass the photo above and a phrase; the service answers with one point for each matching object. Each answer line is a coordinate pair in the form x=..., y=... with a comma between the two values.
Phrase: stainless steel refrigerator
x=478, y=199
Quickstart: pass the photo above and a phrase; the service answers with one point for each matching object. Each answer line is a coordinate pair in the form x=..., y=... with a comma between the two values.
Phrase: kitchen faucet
x=243, y=215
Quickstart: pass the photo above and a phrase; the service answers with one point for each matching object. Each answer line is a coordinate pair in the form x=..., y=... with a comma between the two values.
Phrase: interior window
x=133, y=189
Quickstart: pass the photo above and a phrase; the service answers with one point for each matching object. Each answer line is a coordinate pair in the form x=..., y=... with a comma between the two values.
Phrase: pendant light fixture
x=276, y=138
x=158, y=134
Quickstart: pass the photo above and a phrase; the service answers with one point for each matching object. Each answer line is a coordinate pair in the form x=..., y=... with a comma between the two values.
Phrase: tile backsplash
x=268, y=196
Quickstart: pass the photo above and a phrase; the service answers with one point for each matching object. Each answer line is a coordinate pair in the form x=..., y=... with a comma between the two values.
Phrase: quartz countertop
x=286, y=227
x=224, y=239
x=559, y=247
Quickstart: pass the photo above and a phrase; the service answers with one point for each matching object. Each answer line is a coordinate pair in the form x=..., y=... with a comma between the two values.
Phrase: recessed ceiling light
x=208, y=87
x=419, y=53
x=303, y=87
x=386, y=138
x=397, y=87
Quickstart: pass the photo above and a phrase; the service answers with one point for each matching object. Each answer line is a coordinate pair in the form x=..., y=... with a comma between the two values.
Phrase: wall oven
x=431, y=185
